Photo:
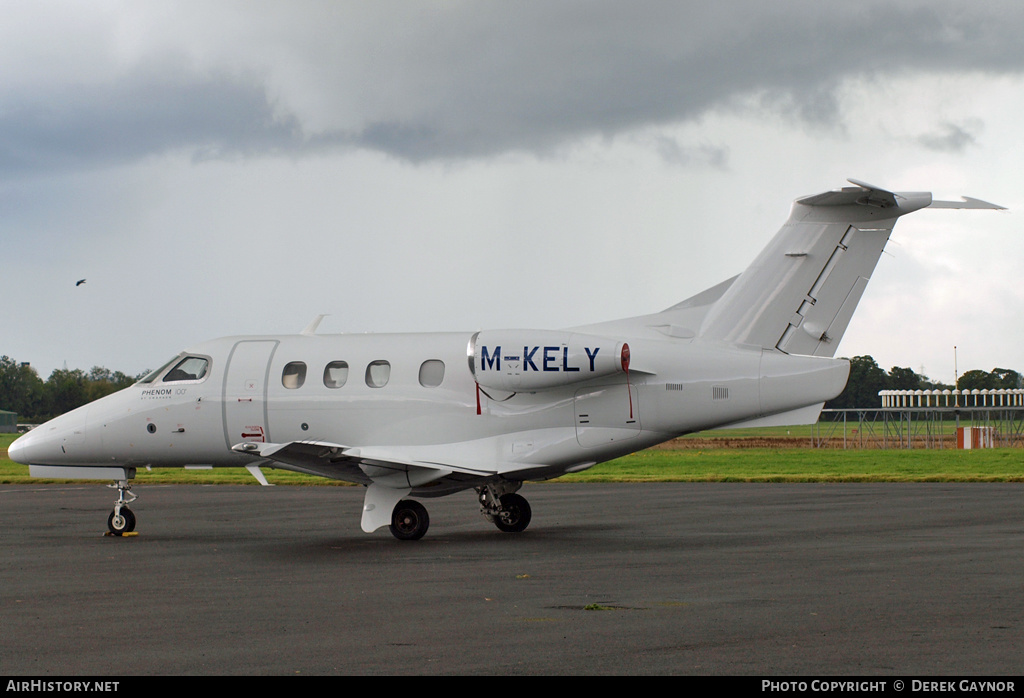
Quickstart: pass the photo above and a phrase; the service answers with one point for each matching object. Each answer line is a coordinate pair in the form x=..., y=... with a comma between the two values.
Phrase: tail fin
x=800, y=292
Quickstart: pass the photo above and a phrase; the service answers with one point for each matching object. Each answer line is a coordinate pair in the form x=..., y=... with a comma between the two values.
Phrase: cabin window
x=191, y=368
x=336, y=374
x=431, y=373
x=294, y=375
x=378, y=373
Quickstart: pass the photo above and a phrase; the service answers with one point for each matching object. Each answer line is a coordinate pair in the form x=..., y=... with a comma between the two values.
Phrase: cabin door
x=245, y=391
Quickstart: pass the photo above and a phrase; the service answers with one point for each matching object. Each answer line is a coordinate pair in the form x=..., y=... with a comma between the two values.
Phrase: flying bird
x=80, y=282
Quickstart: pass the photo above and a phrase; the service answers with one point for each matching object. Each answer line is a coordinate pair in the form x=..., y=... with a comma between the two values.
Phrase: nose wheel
x=121, y=522
x=122, y=519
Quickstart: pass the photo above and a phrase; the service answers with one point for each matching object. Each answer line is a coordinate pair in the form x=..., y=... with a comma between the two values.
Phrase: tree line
x=867, y=378
x=36, y=400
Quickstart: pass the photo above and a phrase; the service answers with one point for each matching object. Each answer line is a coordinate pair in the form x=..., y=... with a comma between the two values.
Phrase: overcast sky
x=218, y=168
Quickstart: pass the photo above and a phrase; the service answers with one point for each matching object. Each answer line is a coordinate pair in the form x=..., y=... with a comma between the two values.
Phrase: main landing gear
x=499, y=504
x=409, y=520
x=122, y=519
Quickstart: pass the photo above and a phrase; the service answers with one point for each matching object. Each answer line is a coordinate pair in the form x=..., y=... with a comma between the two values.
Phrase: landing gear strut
x=507, y=510
x=122, y=519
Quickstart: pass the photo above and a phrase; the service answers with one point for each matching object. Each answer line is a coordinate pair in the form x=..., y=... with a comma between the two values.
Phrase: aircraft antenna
x=311, y=327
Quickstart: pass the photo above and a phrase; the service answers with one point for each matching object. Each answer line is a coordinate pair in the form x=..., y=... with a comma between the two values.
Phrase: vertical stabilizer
x=800, y=292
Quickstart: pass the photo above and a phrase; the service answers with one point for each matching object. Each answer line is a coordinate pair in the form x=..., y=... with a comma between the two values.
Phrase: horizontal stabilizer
x=967, y=202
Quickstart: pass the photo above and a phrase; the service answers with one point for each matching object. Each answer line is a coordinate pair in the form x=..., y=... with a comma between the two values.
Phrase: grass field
x=679, y=462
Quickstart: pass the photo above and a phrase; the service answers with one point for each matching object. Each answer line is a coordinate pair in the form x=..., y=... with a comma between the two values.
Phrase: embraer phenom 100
x=425, y=415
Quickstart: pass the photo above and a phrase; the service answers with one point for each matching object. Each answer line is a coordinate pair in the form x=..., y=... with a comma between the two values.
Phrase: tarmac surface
x=698, y=579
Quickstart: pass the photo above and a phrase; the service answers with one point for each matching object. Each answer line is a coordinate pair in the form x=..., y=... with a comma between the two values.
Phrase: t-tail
x=799, y=294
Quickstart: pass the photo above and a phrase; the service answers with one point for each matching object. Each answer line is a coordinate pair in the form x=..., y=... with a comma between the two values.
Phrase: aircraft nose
x=41, y=446
x=18, y=450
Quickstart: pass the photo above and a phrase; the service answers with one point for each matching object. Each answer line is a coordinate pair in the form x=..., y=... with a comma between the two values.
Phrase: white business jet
x=425, y=415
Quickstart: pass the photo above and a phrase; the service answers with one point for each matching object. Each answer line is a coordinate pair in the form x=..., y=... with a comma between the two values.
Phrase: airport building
x=8, y=422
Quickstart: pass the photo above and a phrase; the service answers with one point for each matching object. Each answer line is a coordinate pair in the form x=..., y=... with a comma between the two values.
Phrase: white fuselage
x=416, y=394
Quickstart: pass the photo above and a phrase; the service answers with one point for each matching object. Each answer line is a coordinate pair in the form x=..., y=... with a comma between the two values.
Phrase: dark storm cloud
x=529, y=78
x=456, y=81
x=145, y=114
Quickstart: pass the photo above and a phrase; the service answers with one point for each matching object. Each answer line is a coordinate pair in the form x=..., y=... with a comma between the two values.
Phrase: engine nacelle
x=531, y=360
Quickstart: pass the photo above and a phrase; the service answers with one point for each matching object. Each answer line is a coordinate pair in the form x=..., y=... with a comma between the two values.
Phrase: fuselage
x=421, y=396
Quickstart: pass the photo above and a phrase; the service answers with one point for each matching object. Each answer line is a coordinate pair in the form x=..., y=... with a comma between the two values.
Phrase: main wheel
x=409, y=520
x=515, y=514
x=122, y=523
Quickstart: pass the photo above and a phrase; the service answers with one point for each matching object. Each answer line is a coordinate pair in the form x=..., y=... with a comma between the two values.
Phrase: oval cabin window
x=378, y=373
x=336, y=374
x=431, y=373
x=294, y=375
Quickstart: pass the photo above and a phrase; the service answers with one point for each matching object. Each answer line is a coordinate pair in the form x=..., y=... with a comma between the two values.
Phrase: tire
x=515, y=514
x=119, y=525
x=409, y=520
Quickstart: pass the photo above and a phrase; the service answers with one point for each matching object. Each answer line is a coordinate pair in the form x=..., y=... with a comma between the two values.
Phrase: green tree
x=67, y=389
x=21, y=389
x=866, y=379
x=904, y=379
x=977, y=380
x=102, y=382
x=1007, y=378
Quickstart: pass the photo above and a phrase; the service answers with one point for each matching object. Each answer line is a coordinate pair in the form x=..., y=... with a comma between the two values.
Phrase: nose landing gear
x=122, y=519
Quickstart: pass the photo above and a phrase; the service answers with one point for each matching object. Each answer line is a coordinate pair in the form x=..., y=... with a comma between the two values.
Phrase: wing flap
x=386, y=467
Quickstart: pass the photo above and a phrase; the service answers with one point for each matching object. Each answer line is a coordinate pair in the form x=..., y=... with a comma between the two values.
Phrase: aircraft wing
x=388, y=475
x=360, y=465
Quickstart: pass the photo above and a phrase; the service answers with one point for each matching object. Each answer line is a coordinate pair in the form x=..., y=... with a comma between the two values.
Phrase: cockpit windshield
x=191, y=368
x=187, y=368
x=152, y=375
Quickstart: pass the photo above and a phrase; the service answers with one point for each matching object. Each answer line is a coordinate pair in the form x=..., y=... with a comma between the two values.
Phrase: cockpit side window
x=191, y=368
